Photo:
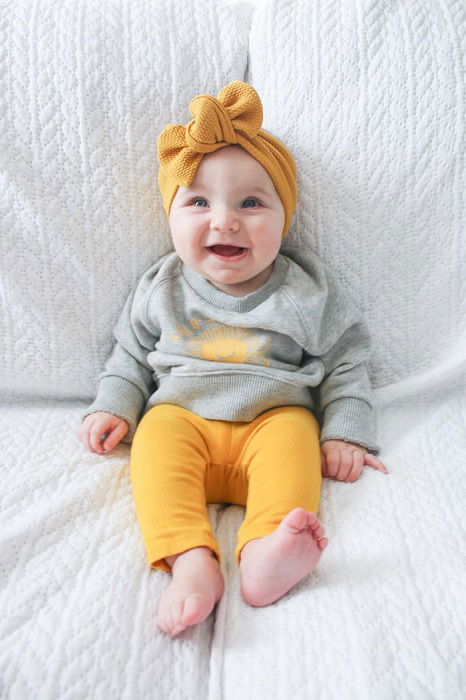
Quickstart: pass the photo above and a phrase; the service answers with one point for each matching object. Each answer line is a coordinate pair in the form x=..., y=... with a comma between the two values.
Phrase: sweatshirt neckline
x=214, y=296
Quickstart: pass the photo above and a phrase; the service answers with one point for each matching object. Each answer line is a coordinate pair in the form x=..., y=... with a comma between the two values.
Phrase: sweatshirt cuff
x=350, y=420
x=121, y=398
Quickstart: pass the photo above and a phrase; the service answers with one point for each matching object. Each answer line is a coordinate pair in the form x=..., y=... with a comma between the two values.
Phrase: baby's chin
x=238, y=284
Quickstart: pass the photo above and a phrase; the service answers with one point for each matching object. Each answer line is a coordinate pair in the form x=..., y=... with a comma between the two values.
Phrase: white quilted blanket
x=369, y=96
x=383, y=616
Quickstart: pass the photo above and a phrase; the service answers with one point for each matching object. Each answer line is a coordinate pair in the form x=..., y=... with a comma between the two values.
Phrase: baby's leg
x=196, y=586
x=281, y=539
x=168, y=464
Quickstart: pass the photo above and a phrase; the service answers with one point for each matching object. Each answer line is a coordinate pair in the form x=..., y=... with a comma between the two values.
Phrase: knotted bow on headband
x=234, y=117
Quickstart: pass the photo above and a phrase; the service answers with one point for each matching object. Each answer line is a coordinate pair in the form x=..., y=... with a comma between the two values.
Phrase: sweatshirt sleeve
x=342, y=342
x=345, y=393
x=126, y=382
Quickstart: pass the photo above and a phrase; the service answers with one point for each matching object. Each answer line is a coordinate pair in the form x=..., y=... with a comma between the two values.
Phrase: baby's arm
x=336, y=334
x=101, y=431
x=345, y=461
x=127, y=379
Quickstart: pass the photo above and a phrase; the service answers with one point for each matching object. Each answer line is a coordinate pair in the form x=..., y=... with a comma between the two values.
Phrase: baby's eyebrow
x=262, y=190
x=246, y=192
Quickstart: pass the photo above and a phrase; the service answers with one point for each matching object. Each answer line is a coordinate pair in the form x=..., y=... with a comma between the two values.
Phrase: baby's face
x=227, y=225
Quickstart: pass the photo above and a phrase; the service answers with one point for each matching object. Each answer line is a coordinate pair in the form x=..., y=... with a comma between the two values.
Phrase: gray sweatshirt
x=298, y=340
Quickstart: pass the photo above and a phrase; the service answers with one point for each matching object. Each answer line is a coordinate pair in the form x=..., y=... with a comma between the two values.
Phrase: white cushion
x=384, y=609
x=85, y=89
x=369, y=96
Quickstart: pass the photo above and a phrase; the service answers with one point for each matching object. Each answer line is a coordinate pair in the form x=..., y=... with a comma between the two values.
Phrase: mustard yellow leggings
x=180, y=462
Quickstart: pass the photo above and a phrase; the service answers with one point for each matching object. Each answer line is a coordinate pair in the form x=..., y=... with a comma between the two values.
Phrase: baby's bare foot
x=196, y=585
x=273, y=564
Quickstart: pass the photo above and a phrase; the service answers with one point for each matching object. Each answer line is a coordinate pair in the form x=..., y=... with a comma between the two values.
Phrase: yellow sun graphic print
x=219, y=343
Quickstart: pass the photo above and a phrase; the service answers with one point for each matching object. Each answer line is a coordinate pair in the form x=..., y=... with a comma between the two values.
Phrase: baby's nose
x=224, y=220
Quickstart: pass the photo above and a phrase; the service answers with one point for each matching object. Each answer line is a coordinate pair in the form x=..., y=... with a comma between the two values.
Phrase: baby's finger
x=373, y=462
x=115, y=436
x=323, y=464
x=358, y=466
x=333, y=462
x=85, y=435
x=346, y=463
x=88, y=441
x=83, y=432
x=95, y=438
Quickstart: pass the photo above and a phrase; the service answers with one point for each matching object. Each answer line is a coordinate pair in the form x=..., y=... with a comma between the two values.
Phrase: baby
x=225, y=350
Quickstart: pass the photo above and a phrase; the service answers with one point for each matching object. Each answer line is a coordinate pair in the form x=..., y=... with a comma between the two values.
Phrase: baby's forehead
x=235, y=162
x=229, y=153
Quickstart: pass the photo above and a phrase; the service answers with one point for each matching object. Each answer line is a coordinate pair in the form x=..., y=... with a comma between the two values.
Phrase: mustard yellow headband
x=233, y=117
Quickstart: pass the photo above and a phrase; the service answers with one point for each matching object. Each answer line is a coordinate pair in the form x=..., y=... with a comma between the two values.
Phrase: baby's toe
x=193, y=609
x=315, y=525
x=312, y=520
x=176, y=611
x=163, y=621
x=296, y=519
x=178, y=629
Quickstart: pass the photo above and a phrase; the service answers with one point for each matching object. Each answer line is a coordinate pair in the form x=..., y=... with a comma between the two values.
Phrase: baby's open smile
x=227, y=224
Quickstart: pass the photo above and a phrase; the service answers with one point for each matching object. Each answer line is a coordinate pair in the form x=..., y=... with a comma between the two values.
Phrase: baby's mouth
x=227, y=251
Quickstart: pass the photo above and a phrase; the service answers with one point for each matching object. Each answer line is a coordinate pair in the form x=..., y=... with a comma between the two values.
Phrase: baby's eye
x=250, y=202
x=199, y=202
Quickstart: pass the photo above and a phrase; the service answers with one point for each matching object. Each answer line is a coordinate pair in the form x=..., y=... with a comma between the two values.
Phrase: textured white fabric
x=78, y=600
x=86, y=87
x=369, y=95
x=383, y=615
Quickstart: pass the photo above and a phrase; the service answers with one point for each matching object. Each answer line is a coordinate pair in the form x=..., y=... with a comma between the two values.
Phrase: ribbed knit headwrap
x=233, y=117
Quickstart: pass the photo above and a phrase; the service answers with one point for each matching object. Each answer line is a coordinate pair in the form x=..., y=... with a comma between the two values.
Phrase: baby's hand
x=99, y=424
x=345, y=461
